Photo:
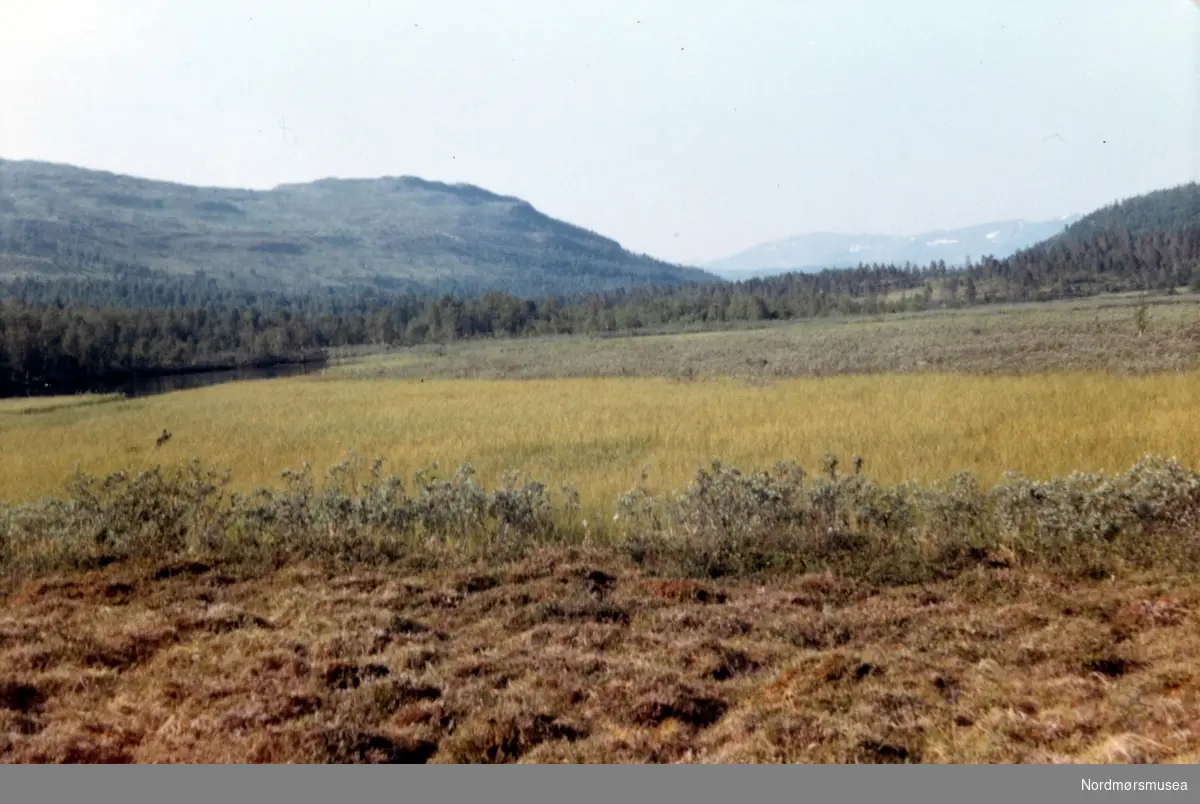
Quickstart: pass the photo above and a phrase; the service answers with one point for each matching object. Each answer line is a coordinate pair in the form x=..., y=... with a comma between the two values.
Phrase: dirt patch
x=50, y=589
x=684, y=592
x=118, y=592
x=298, y=706
x=881, y=752
x=126, y=651
x=581, y=609
x=507, y=738
x=390, y=696
x=403, y=625
x=1110, y=666
x=683, y=706
x=347, y=748
x=222, y=620
x=840, y=667
x=350, y=676
x=23, y=698
x=731, y=663
x=175, y=570
x=477, y=583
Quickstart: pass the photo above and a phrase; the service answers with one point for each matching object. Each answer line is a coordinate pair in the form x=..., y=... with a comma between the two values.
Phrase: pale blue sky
x=687, y=130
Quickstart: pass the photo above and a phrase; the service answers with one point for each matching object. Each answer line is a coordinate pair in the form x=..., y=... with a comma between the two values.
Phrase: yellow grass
x=600, y=433
x=24, y=406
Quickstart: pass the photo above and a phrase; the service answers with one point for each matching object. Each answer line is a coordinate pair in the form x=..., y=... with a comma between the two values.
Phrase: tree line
x=145, y=322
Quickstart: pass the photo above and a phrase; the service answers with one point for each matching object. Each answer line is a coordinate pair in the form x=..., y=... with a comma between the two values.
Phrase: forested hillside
x=1148, y=242
x=60, y=222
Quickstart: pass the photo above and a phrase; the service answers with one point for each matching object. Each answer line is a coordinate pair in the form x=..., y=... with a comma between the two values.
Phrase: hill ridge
x=65, y=221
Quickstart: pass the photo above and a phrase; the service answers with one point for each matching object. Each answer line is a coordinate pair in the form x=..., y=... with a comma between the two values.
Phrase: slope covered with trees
x=1151, y=242
x=391, y=233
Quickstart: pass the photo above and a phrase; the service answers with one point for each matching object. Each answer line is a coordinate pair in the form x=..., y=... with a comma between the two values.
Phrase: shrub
x=725, y=523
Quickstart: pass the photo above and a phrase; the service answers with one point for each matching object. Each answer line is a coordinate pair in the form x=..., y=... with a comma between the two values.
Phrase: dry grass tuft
x=998, y=665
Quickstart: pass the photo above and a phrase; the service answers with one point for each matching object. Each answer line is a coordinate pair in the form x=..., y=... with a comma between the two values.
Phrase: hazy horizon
x=686, y=131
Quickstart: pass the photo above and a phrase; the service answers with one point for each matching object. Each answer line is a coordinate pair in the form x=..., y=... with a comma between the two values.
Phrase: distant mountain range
x=405, y=233
x=813, y=252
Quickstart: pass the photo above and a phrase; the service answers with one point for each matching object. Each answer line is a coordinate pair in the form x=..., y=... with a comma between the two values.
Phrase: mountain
x=829, y=250
x=405, y=233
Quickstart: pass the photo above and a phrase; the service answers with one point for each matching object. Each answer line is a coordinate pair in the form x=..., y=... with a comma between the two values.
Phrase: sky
x=686, y=130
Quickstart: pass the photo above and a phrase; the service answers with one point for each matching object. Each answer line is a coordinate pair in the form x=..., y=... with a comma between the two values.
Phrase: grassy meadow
x=1093, y=335
x=1039, y=389
x=600, y=434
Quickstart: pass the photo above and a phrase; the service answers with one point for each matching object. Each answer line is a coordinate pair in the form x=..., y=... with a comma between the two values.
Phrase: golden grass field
x=599, y=434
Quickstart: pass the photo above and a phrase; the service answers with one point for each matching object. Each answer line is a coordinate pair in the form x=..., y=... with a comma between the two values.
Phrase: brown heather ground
x=575, y=657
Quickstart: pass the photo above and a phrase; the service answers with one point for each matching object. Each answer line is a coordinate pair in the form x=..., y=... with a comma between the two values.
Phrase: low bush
x=726, y=523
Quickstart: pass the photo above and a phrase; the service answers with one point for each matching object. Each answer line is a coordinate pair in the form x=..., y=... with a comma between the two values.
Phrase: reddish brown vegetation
x=579, y=658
